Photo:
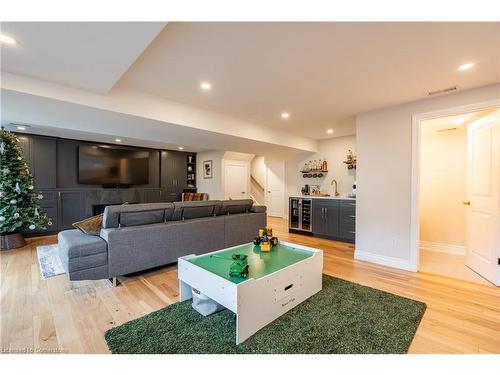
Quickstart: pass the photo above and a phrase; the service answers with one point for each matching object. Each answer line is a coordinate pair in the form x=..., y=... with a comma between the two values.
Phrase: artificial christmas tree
x=19, y=200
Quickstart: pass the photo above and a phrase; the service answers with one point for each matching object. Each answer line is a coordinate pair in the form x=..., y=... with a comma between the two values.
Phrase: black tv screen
x=112, y=166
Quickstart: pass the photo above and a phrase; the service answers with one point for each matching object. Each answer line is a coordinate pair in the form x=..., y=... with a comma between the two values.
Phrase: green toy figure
x=239, y=267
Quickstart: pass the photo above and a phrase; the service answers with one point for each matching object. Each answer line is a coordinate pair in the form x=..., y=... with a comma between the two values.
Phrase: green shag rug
x=343, y=318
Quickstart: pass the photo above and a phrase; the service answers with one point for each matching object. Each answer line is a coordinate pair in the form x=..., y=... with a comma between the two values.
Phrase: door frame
x=242, y=163
x=266, y=194
x=415, y=167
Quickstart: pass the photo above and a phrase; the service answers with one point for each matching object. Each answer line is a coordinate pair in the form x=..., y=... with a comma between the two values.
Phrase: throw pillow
x=91, y=226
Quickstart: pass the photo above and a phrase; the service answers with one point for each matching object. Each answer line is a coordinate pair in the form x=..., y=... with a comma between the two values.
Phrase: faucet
x=336, y=191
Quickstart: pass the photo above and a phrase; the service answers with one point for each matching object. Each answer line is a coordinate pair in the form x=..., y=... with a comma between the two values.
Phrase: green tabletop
x=260, y=263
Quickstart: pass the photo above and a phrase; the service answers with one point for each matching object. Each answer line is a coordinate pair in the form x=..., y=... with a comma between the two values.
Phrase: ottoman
x=85, y=257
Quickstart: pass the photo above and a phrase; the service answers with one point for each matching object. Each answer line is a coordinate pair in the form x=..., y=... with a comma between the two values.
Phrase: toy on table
x=265, y=240
x=239, y=267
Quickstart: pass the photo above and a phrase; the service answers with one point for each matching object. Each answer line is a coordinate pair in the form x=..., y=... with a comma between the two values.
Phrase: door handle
x=326, y=212
x=467, y=203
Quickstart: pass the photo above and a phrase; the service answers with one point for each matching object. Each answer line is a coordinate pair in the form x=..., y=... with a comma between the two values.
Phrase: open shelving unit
x=191, y=171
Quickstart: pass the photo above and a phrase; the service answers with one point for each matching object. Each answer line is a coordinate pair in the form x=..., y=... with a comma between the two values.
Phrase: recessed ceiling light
x=118, y=140
x=330, y=131
x=19, y=127
x=205, y=86
x=181, y=148
x=7, y=39
x=285, y=115
x=464, y=67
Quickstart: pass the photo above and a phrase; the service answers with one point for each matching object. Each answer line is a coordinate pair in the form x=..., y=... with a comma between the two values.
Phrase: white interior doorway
x=275, y=188
x=456, y=193
x=236, y=179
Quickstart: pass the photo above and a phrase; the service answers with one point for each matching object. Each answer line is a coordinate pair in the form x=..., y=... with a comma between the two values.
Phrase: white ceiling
x=321, y=73
x=90, y=56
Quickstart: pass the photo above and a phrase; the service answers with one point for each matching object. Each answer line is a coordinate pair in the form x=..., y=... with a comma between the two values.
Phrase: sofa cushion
x=112, y=213
x=133, y=249
x=129, y=219
x=242, y=228
x=77, y=244
x=235, y=206
x=195, y=210
x=258, y=209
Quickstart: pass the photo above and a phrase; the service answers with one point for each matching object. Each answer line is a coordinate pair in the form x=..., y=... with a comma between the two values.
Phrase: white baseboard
x=442, y=247
x=384, y=260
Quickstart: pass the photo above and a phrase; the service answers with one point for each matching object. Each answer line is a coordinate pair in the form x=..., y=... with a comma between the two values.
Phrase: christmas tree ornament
x=17, y=189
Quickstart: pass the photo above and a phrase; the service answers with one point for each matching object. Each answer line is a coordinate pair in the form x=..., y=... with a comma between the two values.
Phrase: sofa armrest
x=258, y=209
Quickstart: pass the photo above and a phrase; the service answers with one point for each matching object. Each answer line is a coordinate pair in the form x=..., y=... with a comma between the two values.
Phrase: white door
x=483, y=173
x=275, y=188
x=236, y=180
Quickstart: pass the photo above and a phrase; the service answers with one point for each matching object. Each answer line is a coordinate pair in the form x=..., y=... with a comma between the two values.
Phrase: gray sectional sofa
x=142, y=236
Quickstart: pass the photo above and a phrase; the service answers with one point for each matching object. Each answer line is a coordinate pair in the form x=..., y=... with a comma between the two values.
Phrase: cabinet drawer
x=325, y=202
x=348, y=230
x=348, y=209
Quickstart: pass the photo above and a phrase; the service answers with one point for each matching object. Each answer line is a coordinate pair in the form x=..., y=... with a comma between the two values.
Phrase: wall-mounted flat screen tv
x=112, y=166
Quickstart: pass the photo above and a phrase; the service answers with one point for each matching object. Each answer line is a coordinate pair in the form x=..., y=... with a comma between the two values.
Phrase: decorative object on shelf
x=207, y=169
x=350, y=160
x=19, y=201
x=314, y=168
x=265, y=240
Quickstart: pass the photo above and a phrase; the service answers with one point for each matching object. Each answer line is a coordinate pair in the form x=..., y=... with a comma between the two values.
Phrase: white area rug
x=50, y=263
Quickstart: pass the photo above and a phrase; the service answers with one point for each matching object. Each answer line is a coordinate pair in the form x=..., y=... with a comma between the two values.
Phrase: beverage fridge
x=300, y=215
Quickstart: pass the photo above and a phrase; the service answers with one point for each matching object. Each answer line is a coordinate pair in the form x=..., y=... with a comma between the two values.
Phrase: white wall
x=384, y=140
x=213, y=186
x=443, y=174
x=334, y=150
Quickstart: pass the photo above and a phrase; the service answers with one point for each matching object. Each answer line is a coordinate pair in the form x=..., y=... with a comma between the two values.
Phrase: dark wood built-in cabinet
x=326, y=217
x=331, y=218
x=54, y=163
x=173, y=178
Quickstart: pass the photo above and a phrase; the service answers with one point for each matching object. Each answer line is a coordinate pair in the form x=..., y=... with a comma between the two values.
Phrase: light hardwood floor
x=451, y=265
x=56, y=314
